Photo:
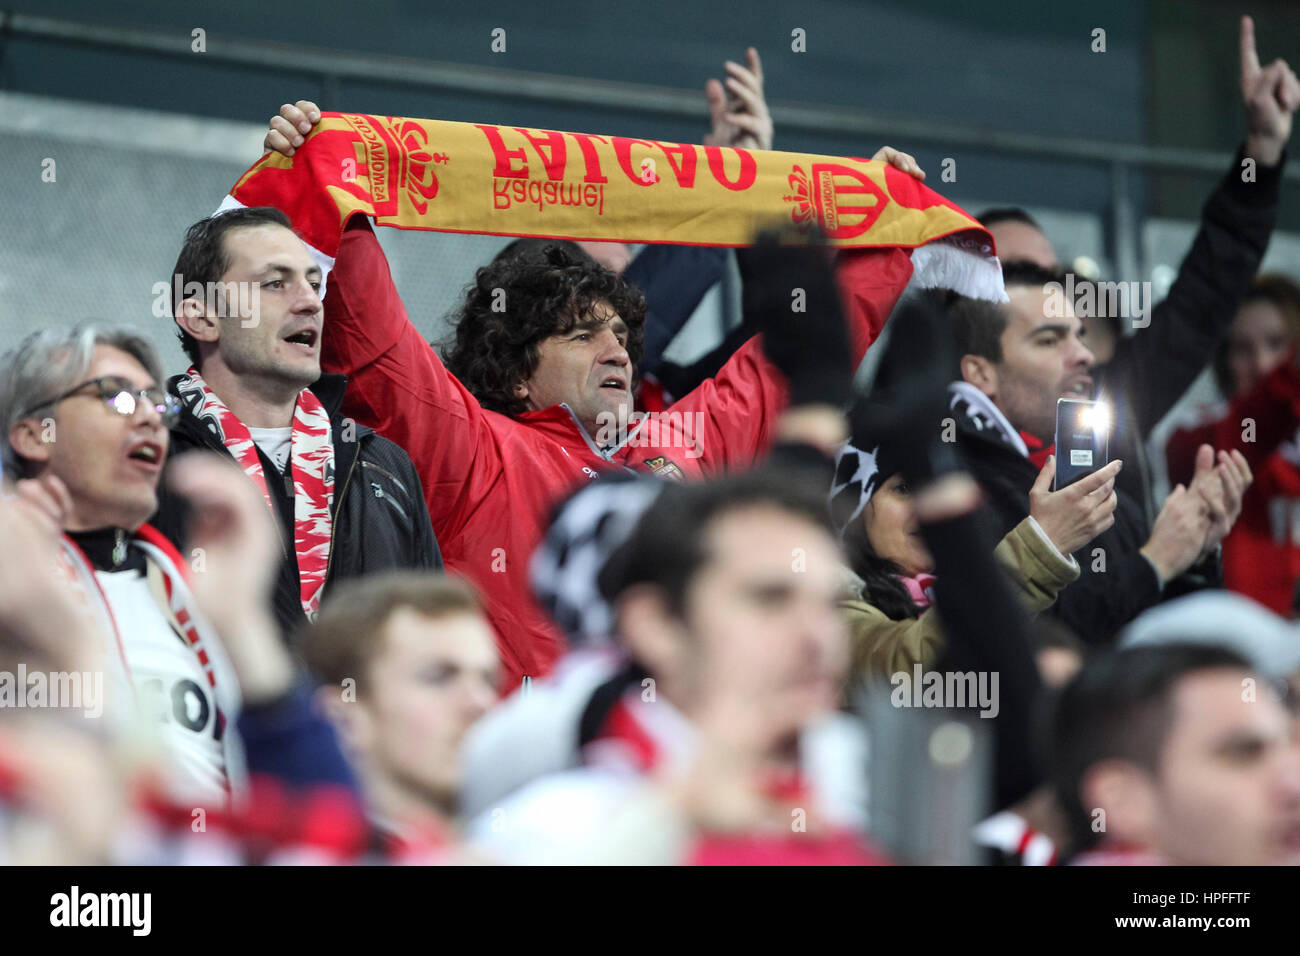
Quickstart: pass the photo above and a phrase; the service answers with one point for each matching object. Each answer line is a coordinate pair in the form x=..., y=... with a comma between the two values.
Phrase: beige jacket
x=881, y=646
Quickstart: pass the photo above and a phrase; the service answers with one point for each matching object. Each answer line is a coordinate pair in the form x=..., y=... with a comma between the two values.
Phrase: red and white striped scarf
x=312, y=457
x=644, y=736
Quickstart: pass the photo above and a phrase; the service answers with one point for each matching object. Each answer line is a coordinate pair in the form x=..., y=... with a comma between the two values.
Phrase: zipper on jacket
x=338, y=510
x=379, y=493
x=607, y=455
x=387, y=474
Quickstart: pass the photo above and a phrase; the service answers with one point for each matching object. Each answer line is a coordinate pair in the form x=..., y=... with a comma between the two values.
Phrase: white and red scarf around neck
x=312, y=457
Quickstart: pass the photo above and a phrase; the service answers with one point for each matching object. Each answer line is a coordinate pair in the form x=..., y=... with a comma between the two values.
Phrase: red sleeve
x=1273, y=406
x=742, y=402
x=398, y=385
x=871, y=283
x=740, y=405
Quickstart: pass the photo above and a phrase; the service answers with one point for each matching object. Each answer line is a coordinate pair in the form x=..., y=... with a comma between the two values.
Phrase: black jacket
x=381, y=521
x=1148, y=374
x=1116, y=583
x=1152, y=368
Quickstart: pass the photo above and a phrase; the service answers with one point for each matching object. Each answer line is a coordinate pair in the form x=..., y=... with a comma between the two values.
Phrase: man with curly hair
x=544, y=361
x=570, y=332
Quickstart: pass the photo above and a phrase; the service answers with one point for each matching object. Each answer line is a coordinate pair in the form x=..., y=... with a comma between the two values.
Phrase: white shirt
x=275, y=443
x=172, y=690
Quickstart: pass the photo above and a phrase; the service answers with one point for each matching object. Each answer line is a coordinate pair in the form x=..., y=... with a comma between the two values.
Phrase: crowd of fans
x=347, y=597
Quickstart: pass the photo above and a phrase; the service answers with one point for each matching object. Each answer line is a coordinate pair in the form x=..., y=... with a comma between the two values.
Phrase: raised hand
x=1077, y=513
x=1178, y=537
x=810, y=347
x=38, y=605
x=1271, y=95
x=1222, y=488
x=905, y=162
x=50, y=498
x=287, y=128
x=739, y=111
x=235, y=534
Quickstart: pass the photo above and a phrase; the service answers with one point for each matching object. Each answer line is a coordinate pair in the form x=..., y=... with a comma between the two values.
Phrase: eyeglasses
x=124, y=398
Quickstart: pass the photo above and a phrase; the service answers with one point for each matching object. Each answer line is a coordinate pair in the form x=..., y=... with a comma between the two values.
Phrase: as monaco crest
x=417, y=174
x=843, y=201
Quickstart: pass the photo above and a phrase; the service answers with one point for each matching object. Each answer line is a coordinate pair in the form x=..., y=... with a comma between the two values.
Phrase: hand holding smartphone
x=1082, y=439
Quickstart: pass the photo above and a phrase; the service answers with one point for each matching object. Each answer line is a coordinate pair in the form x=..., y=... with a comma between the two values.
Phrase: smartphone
x=1082, y=439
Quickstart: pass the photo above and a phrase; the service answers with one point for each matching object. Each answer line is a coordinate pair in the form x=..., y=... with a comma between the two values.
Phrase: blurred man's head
x=1265, y=330
x=407, y=663
x=614, y=256
x=1027, y=353
x=735, y=581
x=537, y=331
x=246, y=299
x=1018, y=238
x=71, y=406
x=1057, y=650
x=1181, y=751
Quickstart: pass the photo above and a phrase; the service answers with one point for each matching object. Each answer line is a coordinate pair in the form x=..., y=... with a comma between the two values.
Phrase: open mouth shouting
x=146, y=454
x=305, y=338
x=1079, y=388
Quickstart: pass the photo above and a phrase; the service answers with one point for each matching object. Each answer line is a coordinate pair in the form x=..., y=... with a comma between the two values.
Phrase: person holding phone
x=1146, y=373
x=1016, y=361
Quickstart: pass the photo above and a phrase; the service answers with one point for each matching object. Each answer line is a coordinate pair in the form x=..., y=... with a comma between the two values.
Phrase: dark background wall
x=1168, y=75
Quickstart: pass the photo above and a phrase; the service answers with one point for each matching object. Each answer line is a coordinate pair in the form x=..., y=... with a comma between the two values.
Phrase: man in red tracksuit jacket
x=492, y=479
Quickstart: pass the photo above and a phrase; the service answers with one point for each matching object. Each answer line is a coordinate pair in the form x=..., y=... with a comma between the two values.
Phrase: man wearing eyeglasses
x=246, y=301
x=85, y=438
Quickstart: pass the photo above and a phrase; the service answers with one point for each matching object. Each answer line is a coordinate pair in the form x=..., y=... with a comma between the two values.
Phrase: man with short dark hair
x=1178, y=753
x=724, y=644
x=246, y=299
x=1016, y=362
x=1018, y=237
x=406, y=663
x=1143, y=375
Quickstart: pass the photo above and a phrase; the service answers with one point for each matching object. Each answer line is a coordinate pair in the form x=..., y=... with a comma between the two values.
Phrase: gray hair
x=51, y=361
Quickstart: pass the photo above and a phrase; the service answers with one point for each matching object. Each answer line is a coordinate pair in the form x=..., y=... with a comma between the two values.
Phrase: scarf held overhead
x=512, y=181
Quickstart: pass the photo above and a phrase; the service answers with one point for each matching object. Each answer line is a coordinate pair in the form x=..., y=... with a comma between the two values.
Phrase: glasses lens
x=123, y=403
x=168, y=406
x=122, y=398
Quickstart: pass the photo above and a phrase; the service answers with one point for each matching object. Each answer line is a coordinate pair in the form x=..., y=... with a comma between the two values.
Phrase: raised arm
x=396, y=382
x=1162, y=360
x=398, y=385
x=811, y=334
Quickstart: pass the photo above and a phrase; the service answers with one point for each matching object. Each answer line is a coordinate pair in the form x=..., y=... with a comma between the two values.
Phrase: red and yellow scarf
x=513, y=181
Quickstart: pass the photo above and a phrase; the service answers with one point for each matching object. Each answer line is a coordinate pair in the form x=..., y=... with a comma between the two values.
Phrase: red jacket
x=490, y=479
x=1261, y=554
